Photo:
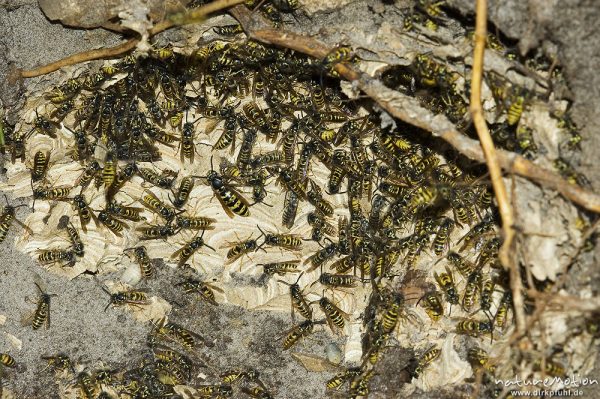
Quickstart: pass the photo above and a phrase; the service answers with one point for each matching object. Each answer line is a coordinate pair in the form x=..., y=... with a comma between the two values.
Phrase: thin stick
x=81, y=57
x=410, y=111
x=489, y=151
x=110, y=52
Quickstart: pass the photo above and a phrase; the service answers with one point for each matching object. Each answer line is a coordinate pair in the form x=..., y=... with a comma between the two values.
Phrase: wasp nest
x=245, y=165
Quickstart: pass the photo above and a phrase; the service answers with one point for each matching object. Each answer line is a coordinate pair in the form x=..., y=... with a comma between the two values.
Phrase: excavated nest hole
x=432, y=187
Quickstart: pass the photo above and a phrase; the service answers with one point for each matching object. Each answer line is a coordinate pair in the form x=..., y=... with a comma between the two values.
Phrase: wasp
x=280, y=268
x=60, y=362
x=124, y=212
x=151, y=201
x=231, y=201
x=344, y=264
x=176, y=333
x=88, y=174
x=462, y=265
x=201, y=288
x=334, y=315
x=194, y=222
x=360, y=386
x=442, y=237
x=503, y=307
x=7, y=360
x=183, y=193
x=62, y=110
x=473, y=328
x=241, y=248
x=82, y=149
x=186, y=145
x=291, y=184
x=41, y=315
x=286, y=241
x=297, y=332
x=156, y=232
x=228, y=30
x=267, y=159
x=426, y=359
x=84, y=211
x=257, y=393
x=446, y=283
x=109, y=171
x=143, y=260
x=52, y=194
x=340, y=379
x=480, y=359
x=214, y=391
x=256, y=116
x=337, y=55
x=164, y=180
x=469, y=240
x=50, y=256
x=7, y=217
x=569, y=173
x=515, y=109
x=338, y=171
x=315, y=197
x=160, y=135
x=40, y=166
x=298, y=300
x=485, y=299
x=234, y=376
x=551, y=368
x=525, y=140
x=76, y=242
x=471, y=290
x=338, y=280
x=185, y=252
x=245, y=152
x=114, y=225
x=433, y=305
x=88, y=387
x=288, y=142
x=166, y=354
x=45, y=126
x=123, y=298
x=318, y=223
x=390, y=317
x=290, y=208
x=169, y=373
x=323, y=255
x=229, y=134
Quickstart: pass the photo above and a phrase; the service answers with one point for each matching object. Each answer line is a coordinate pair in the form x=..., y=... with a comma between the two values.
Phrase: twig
x=487, y=144
x=81, y=57
x=410, y=111
x=173, y=20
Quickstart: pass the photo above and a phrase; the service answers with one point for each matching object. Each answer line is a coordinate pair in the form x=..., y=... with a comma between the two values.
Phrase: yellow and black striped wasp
x=6, y=219
x=41, y=315
x=185, y=252
x=200, y=288
x=231, y=201
x=122, y=298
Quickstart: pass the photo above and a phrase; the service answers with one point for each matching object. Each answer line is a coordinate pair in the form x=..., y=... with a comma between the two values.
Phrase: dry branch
x=174, y=20
x=487, y=144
